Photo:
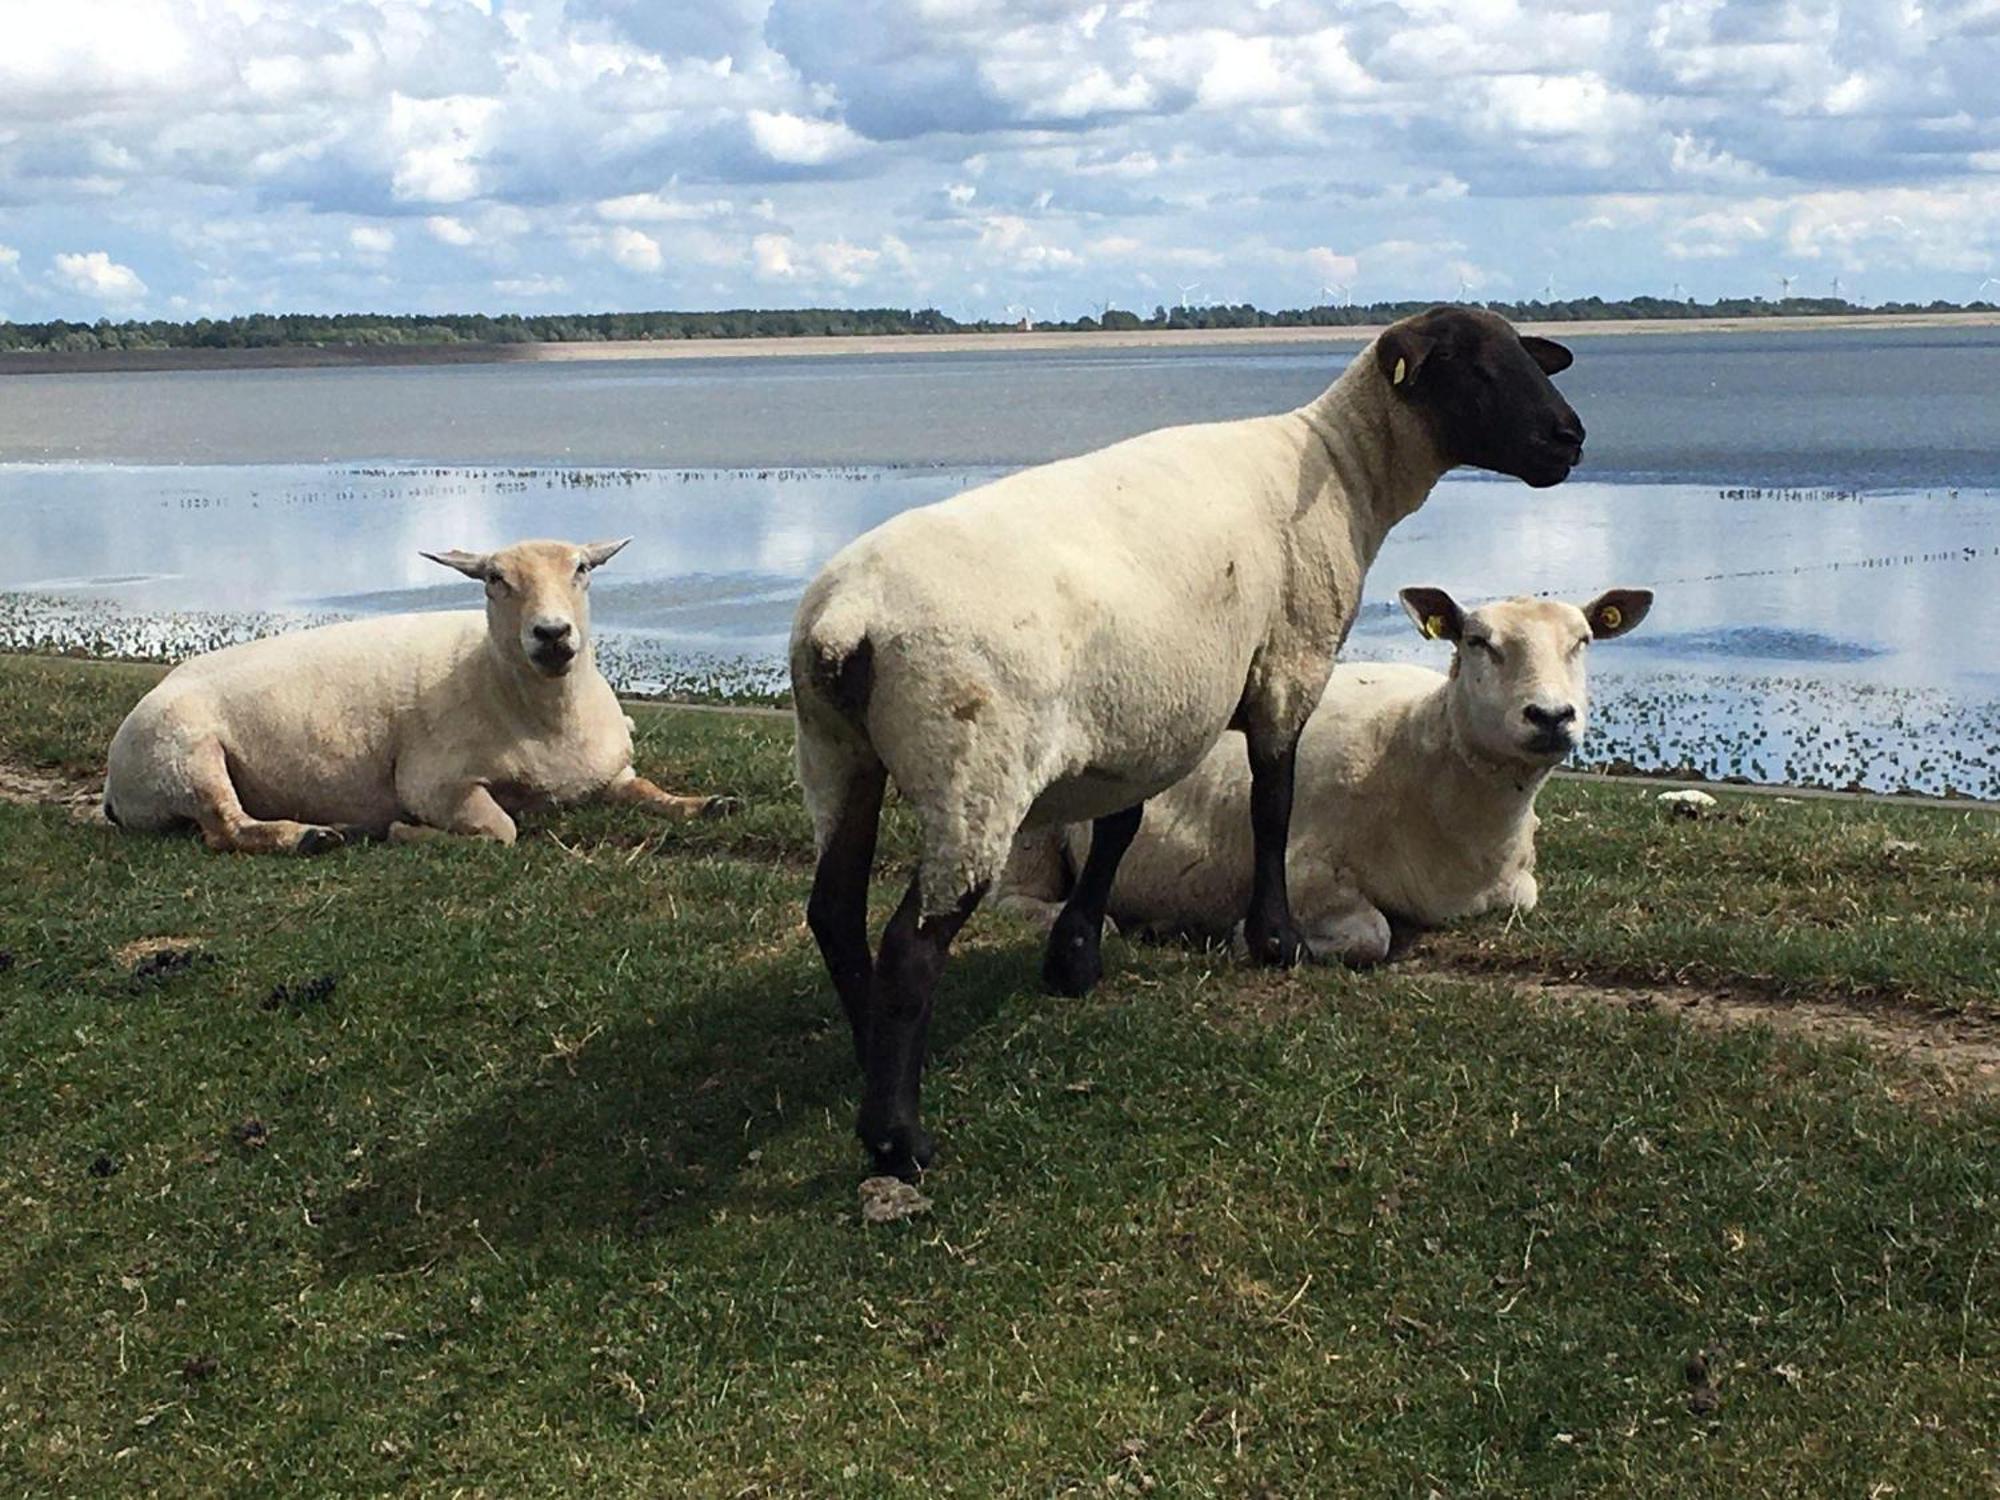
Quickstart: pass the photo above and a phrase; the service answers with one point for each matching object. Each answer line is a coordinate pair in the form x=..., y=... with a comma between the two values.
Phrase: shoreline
x=1657, y=780
x=304, y=356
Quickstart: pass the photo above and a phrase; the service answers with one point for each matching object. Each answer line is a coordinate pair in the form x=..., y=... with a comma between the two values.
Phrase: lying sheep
x=1068, y=641
x=407, y=726
x=1416, y=791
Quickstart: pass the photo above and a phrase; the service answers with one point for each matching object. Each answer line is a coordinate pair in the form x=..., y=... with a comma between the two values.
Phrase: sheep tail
x=835, y=661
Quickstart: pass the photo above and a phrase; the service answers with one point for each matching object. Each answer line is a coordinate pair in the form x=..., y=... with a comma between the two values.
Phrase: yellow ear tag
x=1610, y=617
x=1401, y=367
x=1434, y=627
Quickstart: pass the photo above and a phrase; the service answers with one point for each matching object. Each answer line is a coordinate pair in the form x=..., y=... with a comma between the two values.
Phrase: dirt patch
x=1966, y=1049
x=82, y=796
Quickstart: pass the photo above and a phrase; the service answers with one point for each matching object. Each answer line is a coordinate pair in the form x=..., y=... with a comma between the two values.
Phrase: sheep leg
x=1273, y=937
x=837, y=910
x=640, y=792
x=1073, y=964
x=472, y=814
x=906, y=976
x=226, y=827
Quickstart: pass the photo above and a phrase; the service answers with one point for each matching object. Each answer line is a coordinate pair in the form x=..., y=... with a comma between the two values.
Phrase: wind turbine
x=1192, y=286
x=1677, y=292
x=1464, y=286
x=1326, y=296
x=1785, y=284
x=1989, y=281
x=1549, y=288
x=1836, y=288
x=1346, y=293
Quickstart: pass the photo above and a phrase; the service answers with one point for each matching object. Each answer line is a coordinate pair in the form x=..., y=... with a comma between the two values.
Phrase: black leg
x=837, y=910
x=906, y=976
x=1072, y=965
x=1268, y=929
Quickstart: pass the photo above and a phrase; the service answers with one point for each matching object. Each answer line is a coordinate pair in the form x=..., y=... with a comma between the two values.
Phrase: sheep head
x=1484, y=393
x=537, y=599
x=1519, y=692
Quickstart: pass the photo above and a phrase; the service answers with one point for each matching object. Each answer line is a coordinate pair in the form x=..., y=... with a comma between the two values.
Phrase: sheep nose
x=1568, y=430
x=1550, y=718
x=551, y=634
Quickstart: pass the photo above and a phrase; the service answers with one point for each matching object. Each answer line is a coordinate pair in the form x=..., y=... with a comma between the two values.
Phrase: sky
x=988, y=157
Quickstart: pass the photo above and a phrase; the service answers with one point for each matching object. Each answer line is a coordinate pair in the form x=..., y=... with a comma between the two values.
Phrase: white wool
x=1415, y=798
x=433, y=719
x=1063, y=642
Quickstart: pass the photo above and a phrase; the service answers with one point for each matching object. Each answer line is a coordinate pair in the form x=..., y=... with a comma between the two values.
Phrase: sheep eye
x=498, y=585
x=1481, y=643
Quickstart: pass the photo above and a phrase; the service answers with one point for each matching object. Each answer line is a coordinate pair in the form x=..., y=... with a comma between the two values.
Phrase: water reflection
x=1828, y=632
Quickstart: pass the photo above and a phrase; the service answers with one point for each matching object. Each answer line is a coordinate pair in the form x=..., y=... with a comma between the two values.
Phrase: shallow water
x=1826, y=636
x=1871, y=408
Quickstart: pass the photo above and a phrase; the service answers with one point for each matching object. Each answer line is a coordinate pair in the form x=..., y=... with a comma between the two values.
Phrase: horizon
x=163, y=160
x=1333, y=316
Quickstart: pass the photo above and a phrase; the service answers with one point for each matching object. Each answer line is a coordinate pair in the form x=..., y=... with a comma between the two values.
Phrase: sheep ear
x=1616, y=611
x=1437, y=615
x=597, y=554
x=472, y=564
x=1400, y=354
x=1551, y=356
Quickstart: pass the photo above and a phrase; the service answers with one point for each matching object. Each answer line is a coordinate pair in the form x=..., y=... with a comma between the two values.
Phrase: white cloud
x=371, y=241
x=634, y=249
x=449, y=231
x=438, y=144
x=96, y=274
x=530, y=286
x=660, y=208
x=1040, y=148
x=796, y=141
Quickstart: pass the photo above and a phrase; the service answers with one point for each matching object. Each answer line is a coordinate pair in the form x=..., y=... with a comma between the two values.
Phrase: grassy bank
x=471, y=1170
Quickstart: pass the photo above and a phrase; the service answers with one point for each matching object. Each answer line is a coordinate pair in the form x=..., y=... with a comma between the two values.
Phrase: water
x=1825, y=407
x=1820, y=514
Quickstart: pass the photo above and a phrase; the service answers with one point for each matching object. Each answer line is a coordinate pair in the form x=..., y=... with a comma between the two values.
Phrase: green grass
x=554, y=1190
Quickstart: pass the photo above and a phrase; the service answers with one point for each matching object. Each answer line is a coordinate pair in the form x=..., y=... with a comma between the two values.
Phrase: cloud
x=371, y=241
x=450, y=231
x=795, y=141
x=1064, y=150
x=634, y=249
x=96, y=274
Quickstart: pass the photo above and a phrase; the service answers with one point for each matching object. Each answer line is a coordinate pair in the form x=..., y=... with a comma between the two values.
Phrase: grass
x=552, y=1188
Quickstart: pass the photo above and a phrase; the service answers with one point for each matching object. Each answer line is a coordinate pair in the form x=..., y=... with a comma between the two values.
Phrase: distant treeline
x=280, y=330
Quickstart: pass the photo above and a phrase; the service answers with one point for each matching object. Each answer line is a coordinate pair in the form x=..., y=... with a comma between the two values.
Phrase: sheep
x=1069, y=640
x=1416, y=790
x=406, y=726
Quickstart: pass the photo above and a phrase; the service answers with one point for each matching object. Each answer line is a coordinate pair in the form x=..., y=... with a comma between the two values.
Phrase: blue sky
x=213, y=157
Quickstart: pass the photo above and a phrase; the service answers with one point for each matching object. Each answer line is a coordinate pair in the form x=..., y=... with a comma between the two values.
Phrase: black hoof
x=900, y=1151
x=319, y=840
x=722, y=807
x=1274, y=946
x=1072, y=964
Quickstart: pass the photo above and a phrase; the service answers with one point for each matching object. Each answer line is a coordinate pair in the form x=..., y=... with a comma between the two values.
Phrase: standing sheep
x=1067, y=641
x=407, y=726
x=1416, y=790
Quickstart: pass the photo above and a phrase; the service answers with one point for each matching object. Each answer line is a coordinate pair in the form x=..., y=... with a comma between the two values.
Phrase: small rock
x=1687, y=804
x=104, y=1166
x=884, y=1200
x=1893, y=847
x=306, y=992
x=252, y=1135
